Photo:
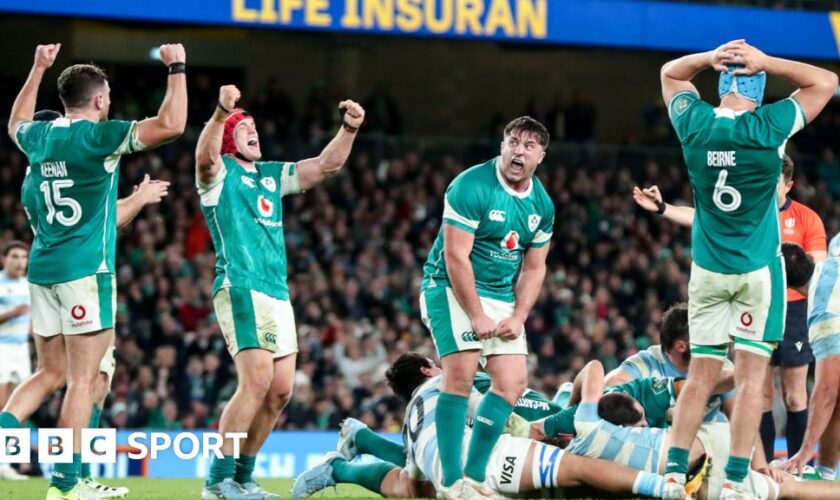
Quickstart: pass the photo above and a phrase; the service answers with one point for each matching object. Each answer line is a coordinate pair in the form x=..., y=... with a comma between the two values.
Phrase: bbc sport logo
x=99, y=446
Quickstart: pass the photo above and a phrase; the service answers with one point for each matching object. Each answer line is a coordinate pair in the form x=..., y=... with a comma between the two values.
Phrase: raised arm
x=146, y=193
x=171, y=119
x=208, y=151
x=816, y=85
x=676, y=75
x=457, y=246
x=313, y=171
x=592, y=385
x=24, y=106
x=528, y=286
x=651, y=200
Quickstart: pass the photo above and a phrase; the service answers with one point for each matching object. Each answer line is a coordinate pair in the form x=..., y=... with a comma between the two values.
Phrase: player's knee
x=795, y=398
x=51, y=376
x=458, y=381
x=256, y=387
x=278, y=398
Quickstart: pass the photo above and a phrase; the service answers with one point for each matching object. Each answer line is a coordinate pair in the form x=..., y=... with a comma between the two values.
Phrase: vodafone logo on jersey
x=78, y=312
x=511, y=241
x=746, y=319
x=265, y=206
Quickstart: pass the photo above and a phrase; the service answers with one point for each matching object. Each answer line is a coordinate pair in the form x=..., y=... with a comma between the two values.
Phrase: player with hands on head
x=241, y=199
x=733, y=154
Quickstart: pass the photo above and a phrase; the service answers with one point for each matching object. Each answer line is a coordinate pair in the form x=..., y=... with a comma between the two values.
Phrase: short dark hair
x=674, y=326
x=46, y=115
x=799, y=266
x=530, y=126
x=787, y=168
x=77, y=84
x=618, y=408
x=405, y=374
x=13, y=245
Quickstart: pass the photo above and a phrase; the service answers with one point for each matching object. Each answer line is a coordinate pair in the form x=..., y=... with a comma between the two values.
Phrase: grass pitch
x=170, y=489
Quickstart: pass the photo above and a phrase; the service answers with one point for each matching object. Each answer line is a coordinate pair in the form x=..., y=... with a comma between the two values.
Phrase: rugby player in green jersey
x=733, y=153
x=241, y=198
x=497, y=224
x=70, y=196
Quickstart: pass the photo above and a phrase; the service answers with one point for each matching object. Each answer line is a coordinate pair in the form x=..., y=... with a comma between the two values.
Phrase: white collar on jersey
x=728, y=113
x=507, y=187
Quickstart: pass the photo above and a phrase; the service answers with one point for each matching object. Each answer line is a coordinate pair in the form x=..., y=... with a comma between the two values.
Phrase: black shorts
x=794, y=349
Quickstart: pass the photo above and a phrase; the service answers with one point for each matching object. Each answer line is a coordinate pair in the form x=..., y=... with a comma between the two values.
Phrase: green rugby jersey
x=70, y=194
x=505, y=224
x=734, y=161
x=244, y=212
x=532, y=406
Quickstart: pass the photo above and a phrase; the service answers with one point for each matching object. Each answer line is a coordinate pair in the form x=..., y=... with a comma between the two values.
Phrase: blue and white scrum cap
x=747, y=86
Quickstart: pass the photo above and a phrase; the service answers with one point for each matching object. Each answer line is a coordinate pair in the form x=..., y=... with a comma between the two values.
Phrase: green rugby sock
x=737, y=469
x=221, y=469
x=245, y=469
x=450, y=420
x=369, y=476
x=9, y=421
x=65, y=476
x=490, y=420
x=372, y=443
x=677, y=461
x=95, y=414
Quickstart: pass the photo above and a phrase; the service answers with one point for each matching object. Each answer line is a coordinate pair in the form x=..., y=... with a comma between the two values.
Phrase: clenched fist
x=229, y=95
x=354, y=113
x=45, y=55
x=172, y=53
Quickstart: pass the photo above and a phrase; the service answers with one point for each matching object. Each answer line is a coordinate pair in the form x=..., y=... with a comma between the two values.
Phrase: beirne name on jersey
x=70, y=195
x=734, y=161
x=244, y=212
x=505, y=224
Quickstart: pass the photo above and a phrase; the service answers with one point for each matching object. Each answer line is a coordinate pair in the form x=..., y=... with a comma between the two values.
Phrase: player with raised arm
x=802, y=226
x=241, y=198
x=497, y=223
x=737, y=288
x=70, y=197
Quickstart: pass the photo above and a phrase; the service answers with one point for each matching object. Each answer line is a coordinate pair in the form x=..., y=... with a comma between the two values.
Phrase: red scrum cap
x=234, y=118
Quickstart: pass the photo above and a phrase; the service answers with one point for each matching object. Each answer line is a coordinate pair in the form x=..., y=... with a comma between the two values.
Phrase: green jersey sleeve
x=289, y=179
x=775, y=123
x=546, y=228
x=462, y=205
x=24, y=134
x=683, y=110
x=114, y=138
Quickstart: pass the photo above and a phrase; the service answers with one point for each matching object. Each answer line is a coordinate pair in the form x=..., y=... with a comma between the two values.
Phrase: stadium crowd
x=355, y=251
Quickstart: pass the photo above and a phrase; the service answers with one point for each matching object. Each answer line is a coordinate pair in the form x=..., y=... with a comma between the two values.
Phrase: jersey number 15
x=53, y=199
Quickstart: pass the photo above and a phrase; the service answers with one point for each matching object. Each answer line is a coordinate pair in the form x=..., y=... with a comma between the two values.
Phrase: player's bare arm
x=313, y=171
x=24, y=106
x=457, y=246
x=14, y=313
x=676, y=75
x=618, y=376
x=816, y=85
x=146, y=193
x=823, y=401
x=171, y=119
x=208, y=151
x=527, y=291
x=650, y=199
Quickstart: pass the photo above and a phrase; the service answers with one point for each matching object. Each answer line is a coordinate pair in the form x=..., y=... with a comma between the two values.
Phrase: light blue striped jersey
x=636, y=447
x=420, y=432
x=824, y=304
x=14, y=292
x=653, y=362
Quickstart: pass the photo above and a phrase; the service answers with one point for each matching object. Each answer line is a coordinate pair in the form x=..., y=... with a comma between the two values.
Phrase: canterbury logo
x=497, y=215
x=484, y=420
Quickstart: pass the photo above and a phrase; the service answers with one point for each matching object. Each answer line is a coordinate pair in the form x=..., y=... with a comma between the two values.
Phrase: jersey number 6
x=722, y=189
